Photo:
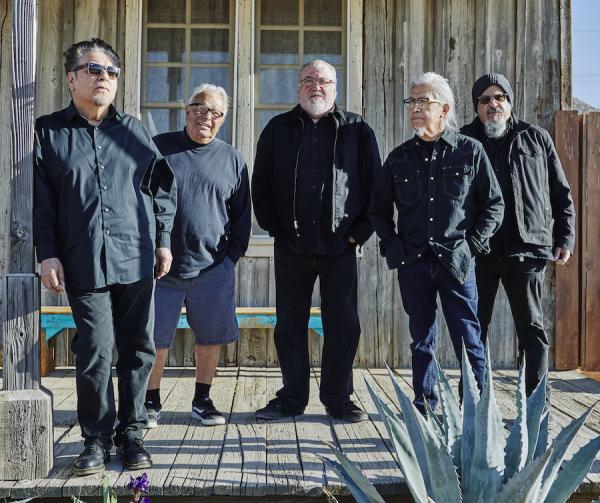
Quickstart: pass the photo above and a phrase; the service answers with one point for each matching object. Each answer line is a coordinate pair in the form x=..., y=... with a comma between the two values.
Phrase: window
x=186, y=43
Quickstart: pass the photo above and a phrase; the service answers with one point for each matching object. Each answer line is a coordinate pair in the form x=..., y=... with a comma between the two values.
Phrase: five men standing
x=310, y=188
x=539, y=219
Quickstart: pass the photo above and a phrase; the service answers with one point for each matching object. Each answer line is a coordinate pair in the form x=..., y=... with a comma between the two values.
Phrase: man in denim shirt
x=449, y=205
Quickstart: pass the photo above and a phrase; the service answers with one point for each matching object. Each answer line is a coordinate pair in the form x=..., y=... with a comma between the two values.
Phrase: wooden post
x=26, y=443
x=568, y=300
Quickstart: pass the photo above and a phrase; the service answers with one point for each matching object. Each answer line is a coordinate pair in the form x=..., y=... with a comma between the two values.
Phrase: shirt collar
x=450, y=136
x=71, y=112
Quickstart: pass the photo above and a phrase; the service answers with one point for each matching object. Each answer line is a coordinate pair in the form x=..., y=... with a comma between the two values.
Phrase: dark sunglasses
x=96, y=69
x=500, y=98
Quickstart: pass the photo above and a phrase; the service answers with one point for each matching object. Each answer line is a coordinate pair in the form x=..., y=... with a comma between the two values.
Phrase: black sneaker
x=276, y=409
x=348, y=411
x=133, y=454
x=205, y=412
x=153, y=415
x=92, y=459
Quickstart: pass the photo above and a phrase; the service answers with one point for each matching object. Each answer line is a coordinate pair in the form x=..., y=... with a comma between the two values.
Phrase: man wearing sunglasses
x=539, y=218
x=104, y=205
x=311, y=188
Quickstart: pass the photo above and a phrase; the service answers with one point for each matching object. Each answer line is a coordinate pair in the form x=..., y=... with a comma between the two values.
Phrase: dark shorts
x=209, y=300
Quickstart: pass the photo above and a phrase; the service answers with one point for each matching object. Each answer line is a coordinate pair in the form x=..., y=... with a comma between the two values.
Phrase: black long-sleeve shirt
x=448, y=200
x=104, y=198
x=213, y=203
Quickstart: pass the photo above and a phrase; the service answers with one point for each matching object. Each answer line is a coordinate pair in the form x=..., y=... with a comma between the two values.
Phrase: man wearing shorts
x=210, y=233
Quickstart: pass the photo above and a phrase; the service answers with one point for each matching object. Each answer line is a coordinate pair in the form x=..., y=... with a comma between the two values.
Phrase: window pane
x=279, y=86
x=163, y=120
x=320, y=13
x=210, y=11
x=164, y=84
x=264, y=116
x=210, y=46
x=279, y=12
x=165, y=45
x=278, y=47
x=325, y=45
x=340, y=87
x=166, y=11
x=218, y=76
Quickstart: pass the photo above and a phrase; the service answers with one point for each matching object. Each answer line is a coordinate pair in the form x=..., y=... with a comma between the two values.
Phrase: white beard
x=420, y=131
x=495, y=130
x=317, y=107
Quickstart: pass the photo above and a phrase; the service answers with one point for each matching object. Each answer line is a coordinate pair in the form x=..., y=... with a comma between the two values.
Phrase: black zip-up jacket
x=448, y=206
x=274, y=179
x=543, y=206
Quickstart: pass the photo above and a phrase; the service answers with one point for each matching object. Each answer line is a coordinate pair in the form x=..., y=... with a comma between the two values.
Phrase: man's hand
x=562, y=255
x=351, y=240
x=163, y=262
x=53, y=276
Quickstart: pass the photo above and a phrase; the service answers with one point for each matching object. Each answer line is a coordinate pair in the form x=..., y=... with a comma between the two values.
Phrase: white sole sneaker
x=207, y=421
x=153, y=420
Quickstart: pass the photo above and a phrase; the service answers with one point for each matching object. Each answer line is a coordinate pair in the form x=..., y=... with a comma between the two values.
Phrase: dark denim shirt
x=449, y=204
x=104, y=198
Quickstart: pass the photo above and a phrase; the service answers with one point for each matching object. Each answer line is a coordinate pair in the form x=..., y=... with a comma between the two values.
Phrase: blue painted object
x=53, y=324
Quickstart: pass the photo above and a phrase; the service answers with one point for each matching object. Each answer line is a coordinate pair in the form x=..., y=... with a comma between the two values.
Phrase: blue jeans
x=420, y=284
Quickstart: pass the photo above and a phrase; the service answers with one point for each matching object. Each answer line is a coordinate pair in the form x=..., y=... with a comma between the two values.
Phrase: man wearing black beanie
x=539, y=218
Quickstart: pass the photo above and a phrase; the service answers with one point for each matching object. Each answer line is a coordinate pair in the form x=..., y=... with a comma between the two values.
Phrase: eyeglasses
x=309, y=82
x=419, y=102
x=96, y=69
x=202, y=109
x=485, y=99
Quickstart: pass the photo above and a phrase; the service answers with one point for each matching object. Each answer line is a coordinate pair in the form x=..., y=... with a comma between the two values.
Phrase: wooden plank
x=130, y=48
x=568, y=305
x=591, y=342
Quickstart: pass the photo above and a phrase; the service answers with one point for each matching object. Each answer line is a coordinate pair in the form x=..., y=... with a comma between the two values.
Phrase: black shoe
x=92, y=459
x=133, y=454
x=206, y=412
x=276, y=409
x=348, y=411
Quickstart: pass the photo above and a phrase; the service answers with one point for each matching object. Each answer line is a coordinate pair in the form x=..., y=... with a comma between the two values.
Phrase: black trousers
x=522, y=280
x=121, y=315
x=295, y=276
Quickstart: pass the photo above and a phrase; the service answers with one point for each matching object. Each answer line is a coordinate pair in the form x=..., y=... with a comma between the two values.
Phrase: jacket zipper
x=296, y=177
x=334, y=184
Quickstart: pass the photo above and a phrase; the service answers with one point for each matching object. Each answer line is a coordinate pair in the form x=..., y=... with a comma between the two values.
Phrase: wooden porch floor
x=246, y=458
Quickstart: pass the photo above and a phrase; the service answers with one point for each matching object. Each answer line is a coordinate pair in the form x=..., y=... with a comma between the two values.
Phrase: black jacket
x=356, y=157
x=448, y=206
x=543, y=206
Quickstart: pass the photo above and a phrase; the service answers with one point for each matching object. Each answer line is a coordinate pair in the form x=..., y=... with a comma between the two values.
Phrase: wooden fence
x=577, y=342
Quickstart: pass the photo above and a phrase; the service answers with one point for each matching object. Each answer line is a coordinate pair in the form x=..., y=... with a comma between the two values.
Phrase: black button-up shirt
x=449, y=203
x=314, y=189
x=104, y=198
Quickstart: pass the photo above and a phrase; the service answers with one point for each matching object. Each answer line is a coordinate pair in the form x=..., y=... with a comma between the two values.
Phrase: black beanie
x=485, y=81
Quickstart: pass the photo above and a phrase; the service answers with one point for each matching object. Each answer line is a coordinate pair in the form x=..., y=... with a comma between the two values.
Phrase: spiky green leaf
x=559, y=449
x=525, y=486
x=443, y=479
x=358, y=485
x=434, y=422
x=469, y=406
x=487, y=468
x=573, y=472
x=536, y=408
x=517, y=443
x=452, y=417
x=542, y=443
x=407, y=459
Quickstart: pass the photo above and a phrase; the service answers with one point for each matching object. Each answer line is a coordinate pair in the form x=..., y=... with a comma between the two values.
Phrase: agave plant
x=465, y=457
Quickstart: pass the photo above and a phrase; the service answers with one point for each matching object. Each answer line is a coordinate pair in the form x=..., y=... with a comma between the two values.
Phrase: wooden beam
x=568, y=303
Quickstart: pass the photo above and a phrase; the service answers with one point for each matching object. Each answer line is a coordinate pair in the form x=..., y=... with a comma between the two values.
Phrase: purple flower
x=139, y=484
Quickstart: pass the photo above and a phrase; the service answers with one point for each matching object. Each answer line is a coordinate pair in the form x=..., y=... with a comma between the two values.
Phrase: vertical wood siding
x=460, y=39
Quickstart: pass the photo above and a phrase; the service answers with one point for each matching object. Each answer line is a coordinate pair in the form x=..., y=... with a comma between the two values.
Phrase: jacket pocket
x=408, y=186
x=456, y=180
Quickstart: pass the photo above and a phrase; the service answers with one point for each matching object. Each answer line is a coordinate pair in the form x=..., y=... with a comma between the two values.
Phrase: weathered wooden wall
x=460, y=39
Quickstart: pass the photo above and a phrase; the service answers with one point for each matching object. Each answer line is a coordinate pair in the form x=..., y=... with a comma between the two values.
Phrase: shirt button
x=106, y=210
x=419, y=255
x=431, y=238
x=431, y=198
x=432, y=178
x=104, y=187
x=314, y=221
x=439, y=255
x=426, y=158
x=107, y=231
x=402, y=262
x=99, y=147
x=431, y=219
x=101, y=166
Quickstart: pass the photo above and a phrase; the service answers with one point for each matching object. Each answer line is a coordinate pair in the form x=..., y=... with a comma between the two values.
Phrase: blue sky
x=586, y=51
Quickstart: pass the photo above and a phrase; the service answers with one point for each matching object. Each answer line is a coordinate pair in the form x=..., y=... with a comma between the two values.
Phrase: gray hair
x=318, y=63
x=441, y=90
x=213, y=89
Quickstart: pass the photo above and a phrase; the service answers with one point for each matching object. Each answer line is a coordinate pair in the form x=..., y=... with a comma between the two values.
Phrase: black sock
x=202, y=391
x=153, y=398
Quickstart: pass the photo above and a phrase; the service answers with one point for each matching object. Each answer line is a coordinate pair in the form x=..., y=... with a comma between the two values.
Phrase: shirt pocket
x=408, y=186
x=456, y=180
